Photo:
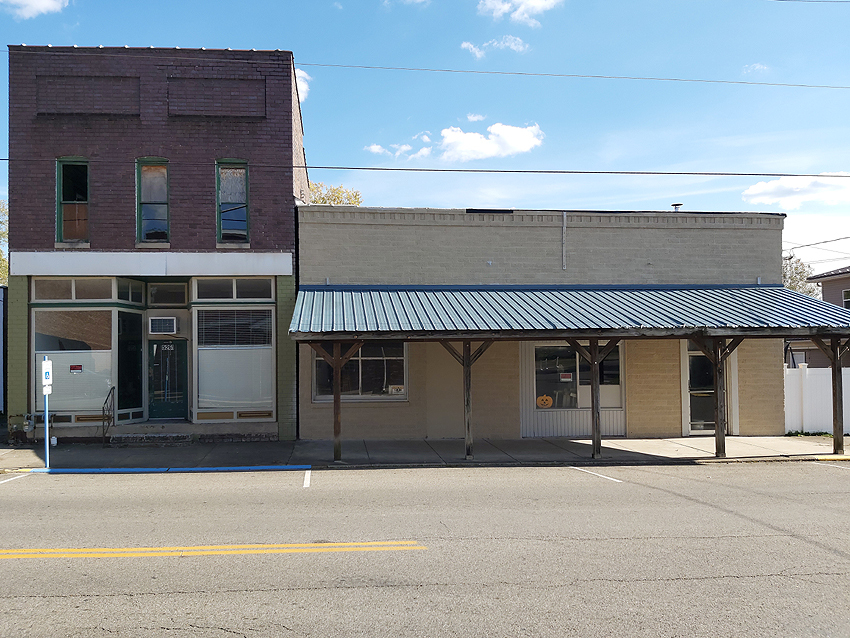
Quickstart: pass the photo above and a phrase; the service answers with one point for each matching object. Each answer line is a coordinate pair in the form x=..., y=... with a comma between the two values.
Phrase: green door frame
x=172, y=400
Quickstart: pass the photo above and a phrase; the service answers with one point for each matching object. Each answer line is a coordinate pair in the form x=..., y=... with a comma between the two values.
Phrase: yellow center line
x=210, y=550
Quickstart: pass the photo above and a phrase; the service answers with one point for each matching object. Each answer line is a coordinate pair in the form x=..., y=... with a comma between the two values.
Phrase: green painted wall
x=18, y=347
x=287, y=369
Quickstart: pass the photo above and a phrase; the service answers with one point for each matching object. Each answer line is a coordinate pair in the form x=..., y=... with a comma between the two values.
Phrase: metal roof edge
x=530, y=287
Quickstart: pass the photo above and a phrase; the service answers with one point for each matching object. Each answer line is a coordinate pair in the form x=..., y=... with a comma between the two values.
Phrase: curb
x=426, y=465
x=158, y=470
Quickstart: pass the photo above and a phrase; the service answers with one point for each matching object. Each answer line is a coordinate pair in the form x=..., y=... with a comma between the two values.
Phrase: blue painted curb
x=163, y=470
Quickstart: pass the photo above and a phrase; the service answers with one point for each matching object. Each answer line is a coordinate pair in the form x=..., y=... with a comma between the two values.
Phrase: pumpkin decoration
x=544, y=401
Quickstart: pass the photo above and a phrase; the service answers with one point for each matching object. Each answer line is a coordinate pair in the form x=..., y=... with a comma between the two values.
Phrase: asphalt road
x=759, y=549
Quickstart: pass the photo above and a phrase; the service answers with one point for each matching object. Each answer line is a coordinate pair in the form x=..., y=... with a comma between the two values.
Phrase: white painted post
x=47, y=388
x=804, y=386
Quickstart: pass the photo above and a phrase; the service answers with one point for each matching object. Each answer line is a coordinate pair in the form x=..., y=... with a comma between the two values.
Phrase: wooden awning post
x=837, y=397
x=466, y=359
x=834, y=351
x=719, y=362
x=336, y=361
x=337, y=373
x=596, y=420
x=594, y=356
x=467, y=397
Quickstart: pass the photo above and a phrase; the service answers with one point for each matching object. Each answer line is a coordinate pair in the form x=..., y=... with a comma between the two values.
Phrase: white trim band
x=137, y=264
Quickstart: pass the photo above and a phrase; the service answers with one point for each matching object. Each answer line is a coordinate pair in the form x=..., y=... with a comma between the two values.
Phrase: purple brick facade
x=191, y=107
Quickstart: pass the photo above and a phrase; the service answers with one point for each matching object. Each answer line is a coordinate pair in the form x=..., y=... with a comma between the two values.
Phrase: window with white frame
x=235, y=358
x=377, y=371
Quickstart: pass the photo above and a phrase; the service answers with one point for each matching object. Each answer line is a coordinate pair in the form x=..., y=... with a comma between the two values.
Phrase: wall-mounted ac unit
x=162, y=325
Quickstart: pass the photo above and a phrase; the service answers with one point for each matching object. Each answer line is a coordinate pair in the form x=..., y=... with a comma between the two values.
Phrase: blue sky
x=360, y=117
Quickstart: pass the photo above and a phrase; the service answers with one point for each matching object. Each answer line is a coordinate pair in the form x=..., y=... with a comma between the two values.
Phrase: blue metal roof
x=441, y=312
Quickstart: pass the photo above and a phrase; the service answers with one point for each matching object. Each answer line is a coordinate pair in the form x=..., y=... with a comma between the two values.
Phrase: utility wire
x=498, y=171
x=164, y=62
x=818, y=243
x=576, y=75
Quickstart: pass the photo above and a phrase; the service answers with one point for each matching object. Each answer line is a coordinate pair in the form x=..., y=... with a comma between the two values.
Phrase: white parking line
x=595, y=474
x=307, y=478
x=13, y=478
x=842, y=467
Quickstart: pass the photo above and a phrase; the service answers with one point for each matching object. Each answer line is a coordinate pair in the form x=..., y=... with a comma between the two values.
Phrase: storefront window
x=129, y=360
x=235, y=358
x=376, y=370
x=79, y=342
x=562, y=379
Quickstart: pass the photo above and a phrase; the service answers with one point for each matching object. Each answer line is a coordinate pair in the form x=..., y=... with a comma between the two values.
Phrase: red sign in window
x=76, y=368
x=566, y=377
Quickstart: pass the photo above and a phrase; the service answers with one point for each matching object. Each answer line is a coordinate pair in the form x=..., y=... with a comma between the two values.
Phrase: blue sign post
x=47, y=388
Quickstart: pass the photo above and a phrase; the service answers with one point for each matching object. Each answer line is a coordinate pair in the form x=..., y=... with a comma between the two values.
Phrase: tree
x=795, y=272
x=337, y=195
x=4, y=242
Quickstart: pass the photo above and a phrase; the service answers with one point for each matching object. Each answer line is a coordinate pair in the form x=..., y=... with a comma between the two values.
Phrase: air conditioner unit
x=162, y=325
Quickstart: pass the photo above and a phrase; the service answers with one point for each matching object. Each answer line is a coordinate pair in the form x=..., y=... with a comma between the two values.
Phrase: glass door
x=700, y=391
x=167, y=379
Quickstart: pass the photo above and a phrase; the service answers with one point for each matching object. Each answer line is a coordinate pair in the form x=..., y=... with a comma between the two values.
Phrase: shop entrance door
x=167, y=373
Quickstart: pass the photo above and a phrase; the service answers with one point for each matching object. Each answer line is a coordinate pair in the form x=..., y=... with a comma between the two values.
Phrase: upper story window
x=845, y=295
x=152, y=204
x=72, y=214
x=232, y=178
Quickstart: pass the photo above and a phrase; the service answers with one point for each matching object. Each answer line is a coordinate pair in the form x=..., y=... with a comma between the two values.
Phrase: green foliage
x=336, y=195
x=795, y=272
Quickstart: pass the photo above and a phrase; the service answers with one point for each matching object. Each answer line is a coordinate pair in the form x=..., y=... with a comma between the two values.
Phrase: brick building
x=152, y=237
x=667, y=307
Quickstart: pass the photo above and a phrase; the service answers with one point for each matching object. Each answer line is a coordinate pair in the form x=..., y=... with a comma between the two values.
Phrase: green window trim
x=233, y=219
x=72, y=200
x=153, y=210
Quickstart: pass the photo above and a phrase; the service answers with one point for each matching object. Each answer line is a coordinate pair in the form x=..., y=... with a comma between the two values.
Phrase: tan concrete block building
x=533, y=382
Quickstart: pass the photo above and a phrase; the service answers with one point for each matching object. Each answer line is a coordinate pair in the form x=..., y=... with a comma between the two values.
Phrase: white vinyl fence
x=808, y=399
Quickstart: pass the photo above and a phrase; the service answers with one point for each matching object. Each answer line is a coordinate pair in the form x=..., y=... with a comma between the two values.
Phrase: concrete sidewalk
x=419, y=453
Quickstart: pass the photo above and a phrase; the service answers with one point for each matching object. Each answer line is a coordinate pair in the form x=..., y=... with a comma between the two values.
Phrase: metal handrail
x=108, y=419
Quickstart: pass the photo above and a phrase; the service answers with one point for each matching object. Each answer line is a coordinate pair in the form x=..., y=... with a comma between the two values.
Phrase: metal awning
x=338, y=312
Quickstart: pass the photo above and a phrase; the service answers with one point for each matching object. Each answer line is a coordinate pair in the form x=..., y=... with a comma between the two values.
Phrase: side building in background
x=152, y=238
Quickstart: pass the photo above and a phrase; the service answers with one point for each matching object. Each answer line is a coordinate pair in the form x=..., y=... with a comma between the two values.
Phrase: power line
x=818, y=243
x=576, y=75
x=497, y=171
x=83, y=52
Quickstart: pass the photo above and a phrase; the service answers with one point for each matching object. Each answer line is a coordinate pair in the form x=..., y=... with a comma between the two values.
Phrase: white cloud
x=792, y=192
x=509, y=42
x=755, y=68
x=506, y=42
x=30, y=8
x=401, y=149
x=302, y=79
x=474, y=117
x=337, y=5
x=474, y=50
x=425, y=151
x=425, y=136
x=503, y=140
x=377, y=149
x=520, y=10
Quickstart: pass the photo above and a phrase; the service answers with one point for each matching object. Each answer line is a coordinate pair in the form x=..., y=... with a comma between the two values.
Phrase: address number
x=168, y=346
